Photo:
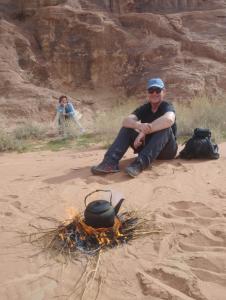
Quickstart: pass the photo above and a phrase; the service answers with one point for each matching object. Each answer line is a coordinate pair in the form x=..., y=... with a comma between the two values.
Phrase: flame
x=71, y=212
x=101, y=234
x=104, y=236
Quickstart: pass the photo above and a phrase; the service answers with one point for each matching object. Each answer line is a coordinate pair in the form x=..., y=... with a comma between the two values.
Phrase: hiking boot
x=105, y=168
x=135, y=168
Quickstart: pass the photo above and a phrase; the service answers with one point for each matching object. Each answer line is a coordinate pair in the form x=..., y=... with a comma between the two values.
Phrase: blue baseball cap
x=155, y=82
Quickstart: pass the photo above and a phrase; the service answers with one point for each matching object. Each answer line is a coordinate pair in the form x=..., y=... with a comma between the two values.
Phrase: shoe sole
x=128, y=172
x=96, y=172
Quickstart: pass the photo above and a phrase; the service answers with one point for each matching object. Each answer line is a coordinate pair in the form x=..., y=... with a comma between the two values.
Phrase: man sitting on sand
x=150, y=130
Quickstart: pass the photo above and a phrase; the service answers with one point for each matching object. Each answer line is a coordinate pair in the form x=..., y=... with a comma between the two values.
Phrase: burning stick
x=76, y=236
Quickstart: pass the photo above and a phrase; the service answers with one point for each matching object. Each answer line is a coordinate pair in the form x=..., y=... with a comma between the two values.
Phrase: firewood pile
x=74, y=236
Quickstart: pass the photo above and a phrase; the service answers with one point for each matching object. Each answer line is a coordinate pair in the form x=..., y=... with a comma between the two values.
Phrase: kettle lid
x=99, y=206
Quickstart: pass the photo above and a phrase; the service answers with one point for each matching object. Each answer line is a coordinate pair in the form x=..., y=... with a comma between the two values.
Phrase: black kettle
x=101, y=213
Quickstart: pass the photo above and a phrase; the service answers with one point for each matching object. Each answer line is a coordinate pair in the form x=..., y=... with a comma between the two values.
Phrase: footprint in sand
x=16, y=209
x=8, y=214
x=196, y=242
x=189, y=209
x=212, y=268
x=218, y=193
x=162, y=170
x=16, y=204
x=13, y=196
x=18, y=179
x=163, y=188
x=3, y=200
x=166, y=282
x=181, y=167
x=198, y=217
x=167, y=170
x=197, y=208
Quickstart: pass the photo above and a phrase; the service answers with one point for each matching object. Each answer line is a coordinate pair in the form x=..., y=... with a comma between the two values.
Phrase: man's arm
x=162, y=122
x=132, y=122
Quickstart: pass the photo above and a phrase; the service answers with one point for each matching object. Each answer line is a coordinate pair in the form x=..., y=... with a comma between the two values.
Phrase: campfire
x=86, y=235
x=99, y=227
x=79, y=236
x=76, y=236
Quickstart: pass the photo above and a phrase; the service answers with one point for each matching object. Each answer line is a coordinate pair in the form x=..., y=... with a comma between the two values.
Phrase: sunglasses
x=153, y=90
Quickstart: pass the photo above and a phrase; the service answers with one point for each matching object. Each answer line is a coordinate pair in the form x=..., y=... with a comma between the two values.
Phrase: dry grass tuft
x=202, y=112
x=31, y=130
x=8, y=142
x=108, y=124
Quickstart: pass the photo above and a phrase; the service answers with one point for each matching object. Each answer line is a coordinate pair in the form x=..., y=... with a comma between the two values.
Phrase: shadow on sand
x=85, y=174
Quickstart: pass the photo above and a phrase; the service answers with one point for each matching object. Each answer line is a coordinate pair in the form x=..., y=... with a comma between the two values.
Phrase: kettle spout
x=118, y=205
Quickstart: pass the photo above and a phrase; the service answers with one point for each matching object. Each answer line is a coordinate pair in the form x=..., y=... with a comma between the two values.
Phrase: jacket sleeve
x=71, y=109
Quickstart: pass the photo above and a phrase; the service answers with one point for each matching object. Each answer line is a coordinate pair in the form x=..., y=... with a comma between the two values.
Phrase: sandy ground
x=186, y=198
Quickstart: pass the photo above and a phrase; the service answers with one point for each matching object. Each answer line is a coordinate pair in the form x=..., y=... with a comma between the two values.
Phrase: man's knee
x=127, y=130
x=128, y=133
x=167, y=132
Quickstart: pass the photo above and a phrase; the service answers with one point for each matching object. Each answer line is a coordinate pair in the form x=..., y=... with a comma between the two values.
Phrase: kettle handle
x=96, y=192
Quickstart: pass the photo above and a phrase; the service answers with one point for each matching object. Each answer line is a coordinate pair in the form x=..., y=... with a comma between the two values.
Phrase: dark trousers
x=158, y=145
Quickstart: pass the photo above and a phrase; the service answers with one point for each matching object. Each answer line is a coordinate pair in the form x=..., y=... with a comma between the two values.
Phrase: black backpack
x=200, y=146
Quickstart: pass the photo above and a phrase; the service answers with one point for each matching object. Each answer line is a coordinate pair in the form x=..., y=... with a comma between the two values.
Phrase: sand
x=187, y=199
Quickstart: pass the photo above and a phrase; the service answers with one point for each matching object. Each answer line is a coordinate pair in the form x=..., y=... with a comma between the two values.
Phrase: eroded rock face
x=29, y=7
x=167, y=6
x=48, y=47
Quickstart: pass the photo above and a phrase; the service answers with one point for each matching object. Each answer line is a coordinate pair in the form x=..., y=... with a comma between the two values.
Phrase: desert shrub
x=108, y=123
x=30, y=130
x=202, y=112
x=199, y=112
x=70, y=130
x=8, y=142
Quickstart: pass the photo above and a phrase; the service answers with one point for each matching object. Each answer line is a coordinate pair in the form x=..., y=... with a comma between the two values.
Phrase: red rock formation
x=49, y=47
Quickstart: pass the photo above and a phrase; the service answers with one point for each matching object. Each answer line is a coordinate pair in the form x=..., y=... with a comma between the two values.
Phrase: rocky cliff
x=84, y=48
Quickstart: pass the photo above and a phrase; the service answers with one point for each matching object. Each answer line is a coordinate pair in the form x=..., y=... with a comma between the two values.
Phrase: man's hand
x=132, y=122
x=140, y=139
x=144, y=127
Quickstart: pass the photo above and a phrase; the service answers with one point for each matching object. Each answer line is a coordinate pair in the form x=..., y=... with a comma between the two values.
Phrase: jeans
x=158, y=145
